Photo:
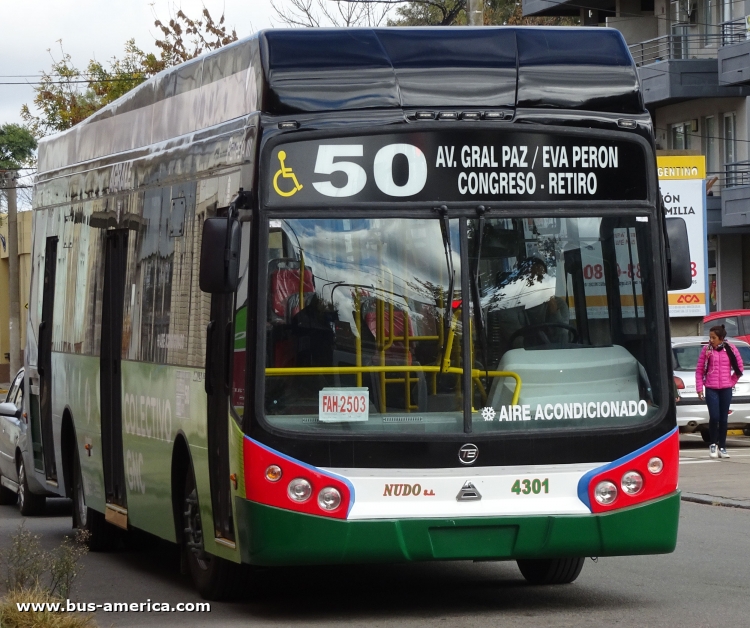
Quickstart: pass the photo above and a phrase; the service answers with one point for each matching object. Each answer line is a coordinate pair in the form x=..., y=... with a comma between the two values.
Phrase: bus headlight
x=605, y=493
x=299, y=490
x=655, y=465
x=329, y=498
x=632, y=482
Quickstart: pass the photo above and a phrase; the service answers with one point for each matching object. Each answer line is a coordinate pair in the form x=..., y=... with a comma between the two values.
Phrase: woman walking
x=719, y=367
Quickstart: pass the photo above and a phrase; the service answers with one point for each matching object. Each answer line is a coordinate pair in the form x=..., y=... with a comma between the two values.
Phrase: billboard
x=682, y=180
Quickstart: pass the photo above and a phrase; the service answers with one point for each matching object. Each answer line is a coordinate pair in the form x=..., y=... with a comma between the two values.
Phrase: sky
x=94, y=29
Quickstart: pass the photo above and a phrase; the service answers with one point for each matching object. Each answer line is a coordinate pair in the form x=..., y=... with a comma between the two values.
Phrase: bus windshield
x=366, y=328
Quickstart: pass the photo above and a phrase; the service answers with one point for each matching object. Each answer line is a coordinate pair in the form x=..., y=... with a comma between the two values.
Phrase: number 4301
x=525, y=487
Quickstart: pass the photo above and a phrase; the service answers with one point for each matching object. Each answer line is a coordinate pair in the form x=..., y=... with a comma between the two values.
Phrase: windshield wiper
x=448, y=309
x=475, y=292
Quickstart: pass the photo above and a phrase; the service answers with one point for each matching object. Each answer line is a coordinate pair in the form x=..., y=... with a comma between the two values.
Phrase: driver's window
x=559, y=303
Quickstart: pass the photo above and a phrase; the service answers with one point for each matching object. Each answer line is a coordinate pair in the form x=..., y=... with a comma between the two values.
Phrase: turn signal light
x=273, y=473
x=655, y=466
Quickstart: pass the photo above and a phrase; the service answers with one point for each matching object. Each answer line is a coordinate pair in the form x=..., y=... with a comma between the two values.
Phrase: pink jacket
x=719, y=373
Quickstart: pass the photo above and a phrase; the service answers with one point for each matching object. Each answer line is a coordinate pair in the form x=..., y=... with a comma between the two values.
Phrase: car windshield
x=686, y=356
x=366, y=324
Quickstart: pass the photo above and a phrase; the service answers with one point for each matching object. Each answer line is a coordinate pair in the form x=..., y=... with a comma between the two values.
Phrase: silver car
x=692, y=413
x=14, y=487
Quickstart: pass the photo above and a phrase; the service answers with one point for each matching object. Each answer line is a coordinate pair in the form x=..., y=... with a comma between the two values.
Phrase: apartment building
x=24, y=261
x=694, y=65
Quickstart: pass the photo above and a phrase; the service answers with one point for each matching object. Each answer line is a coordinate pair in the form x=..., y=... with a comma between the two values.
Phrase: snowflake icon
x=488, y=413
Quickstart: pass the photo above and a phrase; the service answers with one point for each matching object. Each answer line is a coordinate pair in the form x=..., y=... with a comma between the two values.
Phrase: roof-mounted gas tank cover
x=505, y=67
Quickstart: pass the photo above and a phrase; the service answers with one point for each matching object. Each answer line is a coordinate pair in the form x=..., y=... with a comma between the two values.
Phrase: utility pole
x=476, y=12
x=13, y=282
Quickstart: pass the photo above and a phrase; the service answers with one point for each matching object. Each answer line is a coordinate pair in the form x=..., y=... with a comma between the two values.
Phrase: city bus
x=362, y=295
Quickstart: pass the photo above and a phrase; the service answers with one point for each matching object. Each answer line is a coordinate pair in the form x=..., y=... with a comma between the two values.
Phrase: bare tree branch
x=341, y=13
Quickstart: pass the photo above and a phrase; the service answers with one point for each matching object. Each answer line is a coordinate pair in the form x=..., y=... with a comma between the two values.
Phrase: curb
x=711, y=500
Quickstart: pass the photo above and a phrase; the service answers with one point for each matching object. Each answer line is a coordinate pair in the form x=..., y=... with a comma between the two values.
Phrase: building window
x=726, y=10
x=679, y=136
x=730, y=124
x=708, y=138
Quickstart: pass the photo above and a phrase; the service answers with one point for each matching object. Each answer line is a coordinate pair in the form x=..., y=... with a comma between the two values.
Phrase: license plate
x=339, y=405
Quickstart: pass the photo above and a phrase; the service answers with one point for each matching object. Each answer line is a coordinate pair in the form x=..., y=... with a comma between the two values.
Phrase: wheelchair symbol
x=285, y=173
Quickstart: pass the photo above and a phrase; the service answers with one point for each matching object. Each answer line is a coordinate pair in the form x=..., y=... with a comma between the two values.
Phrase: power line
x=89, y=81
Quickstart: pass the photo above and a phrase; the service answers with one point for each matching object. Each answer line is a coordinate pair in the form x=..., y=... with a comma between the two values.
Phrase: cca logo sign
x=688, y=298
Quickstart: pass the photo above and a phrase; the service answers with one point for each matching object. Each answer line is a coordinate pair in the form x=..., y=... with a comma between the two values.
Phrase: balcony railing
x=737, y=173
x=676, y=46
x=734, y=31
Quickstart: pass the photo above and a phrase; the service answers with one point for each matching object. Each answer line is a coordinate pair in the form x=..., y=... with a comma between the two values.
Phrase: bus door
x=45, y=365
x=219, y=353
x=115, y=258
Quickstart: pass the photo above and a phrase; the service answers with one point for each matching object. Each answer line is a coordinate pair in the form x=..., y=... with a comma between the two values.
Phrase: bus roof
x=293, y=71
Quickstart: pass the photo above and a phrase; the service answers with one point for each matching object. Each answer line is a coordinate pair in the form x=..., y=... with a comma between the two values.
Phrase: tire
x=7, y=497
x=746, y=430
x=551, y=570
x=29, y=503
x=706, y=436
x=100, y=534
x=215, y=578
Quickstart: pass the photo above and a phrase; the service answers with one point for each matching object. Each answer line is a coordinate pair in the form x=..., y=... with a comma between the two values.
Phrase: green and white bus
x=348, y=296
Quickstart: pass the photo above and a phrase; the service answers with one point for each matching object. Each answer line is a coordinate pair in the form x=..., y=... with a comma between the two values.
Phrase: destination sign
x=451, y=166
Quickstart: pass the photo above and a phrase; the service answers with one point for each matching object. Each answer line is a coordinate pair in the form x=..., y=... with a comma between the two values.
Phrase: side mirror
x=220, y=255
x=10, y=409
x=679, y=275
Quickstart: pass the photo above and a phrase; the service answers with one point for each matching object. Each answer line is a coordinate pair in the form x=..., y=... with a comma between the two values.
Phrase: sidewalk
x=716, y=482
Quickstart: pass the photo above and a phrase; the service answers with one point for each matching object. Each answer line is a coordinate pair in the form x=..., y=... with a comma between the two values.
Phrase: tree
x=314, y=13
x=17, y=157
x=342, y=13
x=453, y=12
x=66, y=95
x=17, y=146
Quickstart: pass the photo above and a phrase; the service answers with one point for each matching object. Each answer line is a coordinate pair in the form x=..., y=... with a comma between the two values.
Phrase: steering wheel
x=537, y=331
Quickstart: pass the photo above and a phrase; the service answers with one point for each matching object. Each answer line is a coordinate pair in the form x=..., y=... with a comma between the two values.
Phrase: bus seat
x=284, y=280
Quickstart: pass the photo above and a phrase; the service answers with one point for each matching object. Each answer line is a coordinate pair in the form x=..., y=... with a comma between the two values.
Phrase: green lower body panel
x=271, y=536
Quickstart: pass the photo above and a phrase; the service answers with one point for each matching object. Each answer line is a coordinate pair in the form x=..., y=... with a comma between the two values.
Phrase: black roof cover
x=338, y=69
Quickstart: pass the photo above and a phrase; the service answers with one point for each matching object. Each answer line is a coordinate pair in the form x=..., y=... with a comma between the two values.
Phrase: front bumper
x=272, y=536
x=696, y=412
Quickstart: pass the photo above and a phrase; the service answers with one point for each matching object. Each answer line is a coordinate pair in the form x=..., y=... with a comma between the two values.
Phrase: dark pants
x=718, y=400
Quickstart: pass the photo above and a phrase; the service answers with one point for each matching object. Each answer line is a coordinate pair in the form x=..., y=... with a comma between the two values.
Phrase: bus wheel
x=214, y=577
x=99, y=533
x=551, y=570
x=28, y=503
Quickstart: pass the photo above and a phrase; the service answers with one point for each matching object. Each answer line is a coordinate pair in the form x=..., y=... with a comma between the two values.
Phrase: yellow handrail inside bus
x=353, y=370
x=301, y=280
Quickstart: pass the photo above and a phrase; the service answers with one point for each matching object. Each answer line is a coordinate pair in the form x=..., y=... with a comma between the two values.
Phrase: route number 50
x=382, y=170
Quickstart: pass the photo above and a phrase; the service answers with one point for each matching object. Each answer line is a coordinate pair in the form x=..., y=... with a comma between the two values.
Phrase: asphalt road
x=703, y=583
